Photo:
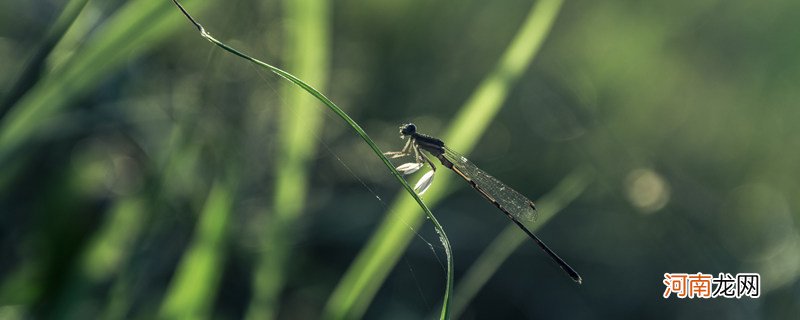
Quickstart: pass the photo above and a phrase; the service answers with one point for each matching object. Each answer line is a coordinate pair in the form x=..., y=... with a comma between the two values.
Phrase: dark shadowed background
x=146, y=173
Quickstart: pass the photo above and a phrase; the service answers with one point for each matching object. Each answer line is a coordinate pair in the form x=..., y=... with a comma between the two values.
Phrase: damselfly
x=513, y=204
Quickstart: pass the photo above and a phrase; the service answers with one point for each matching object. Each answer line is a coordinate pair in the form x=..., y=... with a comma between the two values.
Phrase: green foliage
x=147, y=174
x=357, y=288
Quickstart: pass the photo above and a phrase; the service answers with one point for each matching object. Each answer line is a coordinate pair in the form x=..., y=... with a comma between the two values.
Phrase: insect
x=513, y=204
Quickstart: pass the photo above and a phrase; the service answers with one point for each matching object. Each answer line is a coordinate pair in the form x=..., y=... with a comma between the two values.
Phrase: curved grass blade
x=356, y=127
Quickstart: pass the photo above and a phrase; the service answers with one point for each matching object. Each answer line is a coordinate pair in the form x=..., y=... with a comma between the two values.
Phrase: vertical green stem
x=358, y=287
x=306, y=51
x=194, y=285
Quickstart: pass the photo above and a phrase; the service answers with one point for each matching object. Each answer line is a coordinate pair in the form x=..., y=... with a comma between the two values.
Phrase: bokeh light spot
x=647, y=190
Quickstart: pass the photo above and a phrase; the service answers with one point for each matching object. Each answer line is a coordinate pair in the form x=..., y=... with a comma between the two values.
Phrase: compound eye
x=410, y=128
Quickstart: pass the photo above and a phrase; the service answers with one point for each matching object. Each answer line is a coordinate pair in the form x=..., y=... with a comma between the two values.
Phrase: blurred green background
x=147, y=173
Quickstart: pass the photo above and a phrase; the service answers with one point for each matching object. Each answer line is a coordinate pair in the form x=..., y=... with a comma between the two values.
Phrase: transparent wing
x=508, y=199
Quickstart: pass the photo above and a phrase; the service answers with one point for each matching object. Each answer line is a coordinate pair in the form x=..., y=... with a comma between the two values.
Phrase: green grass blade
x=106, y=253
x=361, y=282
x=137, y=26
x=357, y=128
x=511, y=238
x=191, y=293
x=306, y=51
x=35, y=65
